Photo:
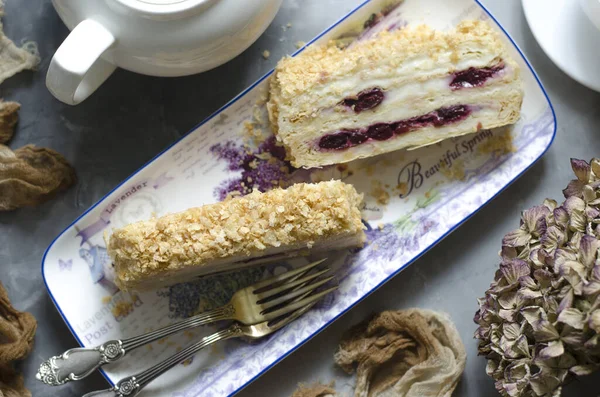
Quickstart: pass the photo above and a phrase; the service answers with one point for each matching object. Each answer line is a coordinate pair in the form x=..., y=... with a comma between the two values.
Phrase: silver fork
x=132, y=385
x=260, y=302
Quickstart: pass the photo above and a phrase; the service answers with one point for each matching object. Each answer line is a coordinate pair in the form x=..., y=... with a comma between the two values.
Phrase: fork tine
x=284, y=320
x=278, y=322
x=296, y=305
x=286, y=275
x=286, y=286
x=295, y=293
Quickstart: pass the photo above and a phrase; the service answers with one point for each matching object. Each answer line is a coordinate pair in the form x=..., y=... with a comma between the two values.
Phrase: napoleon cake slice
x=236, y=233
x=401, y=89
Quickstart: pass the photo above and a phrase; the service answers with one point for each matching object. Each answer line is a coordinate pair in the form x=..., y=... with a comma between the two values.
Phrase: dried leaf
x=527, y=293
x=409, y=352
x=31, y=175
x=543, y=330
x=573, y=272
x=572, y=317
x=554, y=349
x=17, y=330
x=511, y=330
x=534, y=220
x=573, y=338
x=567, y=301
x=8, y=119
x=596, y=167
x=12, y=383
x=517, y=238
x=520, y=348
x=543, y=385
x=14, y=59
x=510, y=301
x=574, y=188
x=594, y=321
x=550, y=204
x=561, y=217
x=553, y=238
x=314, y=390
x=582, y=169
x=588, y=249
x=582, y=370
x=514, y=269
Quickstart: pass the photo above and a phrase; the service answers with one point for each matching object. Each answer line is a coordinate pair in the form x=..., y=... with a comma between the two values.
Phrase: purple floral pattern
x=257, y=170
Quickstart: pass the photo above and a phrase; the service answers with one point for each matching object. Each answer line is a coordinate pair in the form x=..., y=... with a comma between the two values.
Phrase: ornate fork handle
x=75, y=364
x=132, y=385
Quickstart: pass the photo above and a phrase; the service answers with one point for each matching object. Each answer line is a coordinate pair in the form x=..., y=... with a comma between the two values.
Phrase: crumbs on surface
x=345, y=171
x=256, y=130
x=122, y=308
x=251, y=131
x=379, y=192
x=300, y=44
x=106, y=300
x=266, y=54
x=455, y=172
x=501, y=142
x=402, y=188
x=370, y=169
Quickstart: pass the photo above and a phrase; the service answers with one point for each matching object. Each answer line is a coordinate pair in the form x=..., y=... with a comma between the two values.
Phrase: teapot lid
x=165, y=9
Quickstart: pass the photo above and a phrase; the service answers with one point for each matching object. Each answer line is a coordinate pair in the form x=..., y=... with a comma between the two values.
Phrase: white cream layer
x=401, y=104
x=419, y=69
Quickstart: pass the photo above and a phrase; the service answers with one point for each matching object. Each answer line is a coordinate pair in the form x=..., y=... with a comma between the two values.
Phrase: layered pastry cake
x=236, y=233
x=401, y=89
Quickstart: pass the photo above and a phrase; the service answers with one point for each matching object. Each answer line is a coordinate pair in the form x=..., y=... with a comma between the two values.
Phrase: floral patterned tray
x=414, y=199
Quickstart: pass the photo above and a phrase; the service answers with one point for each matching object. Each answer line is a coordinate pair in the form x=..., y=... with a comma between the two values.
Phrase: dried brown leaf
x=407, y=352
x=12, y=383
x=8, y=118
x=17, y=331
x=314, y=390
x=31, y=175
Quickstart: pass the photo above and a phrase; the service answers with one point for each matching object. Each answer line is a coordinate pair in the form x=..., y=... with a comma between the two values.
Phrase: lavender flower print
x=262, y=168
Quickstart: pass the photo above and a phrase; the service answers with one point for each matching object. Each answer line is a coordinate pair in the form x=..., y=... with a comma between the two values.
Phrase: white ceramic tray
x=425, y=205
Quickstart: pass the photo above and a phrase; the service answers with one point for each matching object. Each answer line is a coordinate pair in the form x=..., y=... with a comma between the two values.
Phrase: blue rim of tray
x=235, y=99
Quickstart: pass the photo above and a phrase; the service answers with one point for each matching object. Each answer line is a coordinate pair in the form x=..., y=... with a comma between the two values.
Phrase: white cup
x=592, y=10
x=153, y=37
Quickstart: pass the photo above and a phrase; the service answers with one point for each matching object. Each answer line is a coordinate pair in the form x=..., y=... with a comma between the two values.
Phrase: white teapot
x=153, y=37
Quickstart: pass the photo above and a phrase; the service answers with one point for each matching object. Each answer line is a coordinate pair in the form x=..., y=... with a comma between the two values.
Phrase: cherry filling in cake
x=383, y=131
x=474, y=77
x=365, y=100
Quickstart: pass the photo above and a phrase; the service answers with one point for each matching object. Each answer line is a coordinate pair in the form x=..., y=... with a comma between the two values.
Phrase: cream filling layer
x=387, y=76
x=401, y=104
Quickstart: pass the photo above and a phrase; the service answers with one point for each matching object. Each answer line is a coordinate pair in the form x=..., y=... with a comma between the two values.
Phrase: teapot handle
x=76, y=69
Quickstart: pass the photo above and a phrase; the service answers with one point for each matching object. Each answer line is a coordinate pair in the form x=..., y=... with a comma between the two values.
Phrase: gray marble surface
x=133, y=117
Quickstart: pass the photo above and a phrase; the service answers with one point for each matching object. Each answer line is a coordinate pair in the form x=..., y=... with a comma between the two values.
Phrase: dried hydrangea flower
x=539, y=322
